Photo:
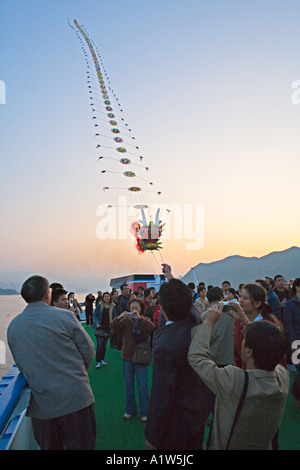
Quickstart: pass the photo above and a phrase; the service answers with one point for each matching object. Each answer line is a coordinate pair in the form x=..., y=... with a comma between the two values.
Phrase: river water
x=10, y=307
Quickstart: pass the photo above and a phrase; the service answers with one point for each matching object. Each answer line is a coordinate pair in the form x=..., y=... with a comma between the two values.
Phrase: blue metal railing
x=12, y=386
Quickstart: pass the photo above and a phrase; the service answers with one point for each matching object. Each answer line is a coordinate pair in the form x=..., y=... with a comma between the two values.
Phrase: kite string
x=155, y=259
x=98, y=84
x=162, y=261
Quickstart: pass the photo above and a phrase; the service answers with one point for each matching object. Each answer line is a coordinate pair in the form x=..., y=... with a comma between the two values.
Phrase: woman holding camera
x=134, y=329
x=252, y=305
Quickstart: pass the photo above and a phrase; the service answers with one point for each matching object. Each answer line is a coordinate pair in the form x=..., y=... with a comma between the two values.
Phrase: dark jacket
x=123, y=302
x=274, y=303
x=180, y=403
x=291, y=318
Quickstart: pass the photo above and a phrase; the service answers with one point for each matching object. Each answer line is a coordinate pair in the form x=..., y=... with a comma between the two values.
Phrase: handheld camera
x=226, y=307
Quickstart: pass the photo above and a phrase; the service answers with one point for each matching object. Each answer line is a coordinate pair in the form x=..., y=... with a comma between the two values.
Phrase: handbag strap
x=241, y=402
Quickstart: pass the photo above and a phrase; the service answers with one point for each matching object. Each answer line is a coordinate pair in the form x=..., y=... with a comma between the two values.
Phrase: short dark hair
x=201, y=288
x=267, y=342
x=176, y=299
x=232, y=291
x=56, y=285
x=214, y=294
x=226, y=282
x=271, y=281
x=56, y=294
x=296, y=283
x=264, y=284
x=278, y=275
x=191, y=285
x=34, y=289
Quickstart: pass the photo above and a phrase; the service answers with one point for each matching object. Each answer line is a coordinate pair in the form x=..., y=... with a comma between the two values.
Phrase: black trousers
x=89, y=316
x=101, y=347
x=74, y=431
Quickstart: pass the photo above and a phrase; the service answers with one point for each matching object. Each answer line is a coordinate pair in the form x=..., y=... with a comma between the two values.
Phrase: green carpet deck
x=114, y=433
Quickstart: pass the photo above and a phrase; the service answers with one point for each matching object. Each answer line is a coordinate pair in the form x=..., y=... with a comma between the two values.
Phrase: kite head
x=147, y=236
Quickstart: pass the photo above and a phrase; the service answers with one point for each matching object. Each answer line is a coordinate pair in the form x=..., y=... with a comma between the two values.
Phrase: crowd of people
x=221, y=357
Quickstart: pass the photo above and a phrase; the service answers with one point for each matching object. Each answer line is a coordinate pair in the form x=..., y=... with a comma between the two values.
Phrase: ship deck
x=114, y=433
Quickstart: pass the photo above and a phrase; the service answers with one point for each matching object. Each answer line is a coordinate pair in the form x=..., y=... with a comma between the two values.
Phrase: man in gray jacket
x=53, y=351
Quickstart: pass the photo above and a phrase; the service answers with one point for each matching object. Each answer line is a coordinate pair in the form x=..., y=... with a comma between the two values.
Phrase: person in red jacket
x=157, y=310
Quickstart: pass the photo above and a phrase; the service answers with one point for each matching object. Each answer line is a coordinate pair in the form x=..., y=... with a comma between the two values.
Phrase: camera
x=226, y=307
x=129, y=314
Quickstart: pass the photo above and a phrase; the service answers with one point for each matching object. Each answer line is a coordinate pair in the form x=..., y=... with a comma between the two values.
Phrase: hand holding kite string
x=167, y=270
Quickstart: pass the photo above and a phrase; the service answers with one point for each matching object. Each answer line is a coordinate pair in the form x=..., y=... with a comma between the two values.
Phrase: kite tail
x=134, y=229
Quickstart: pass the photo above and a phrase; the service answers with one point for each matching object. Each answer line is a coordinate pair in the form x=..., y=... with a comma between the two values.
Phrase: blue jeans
x=141, y=372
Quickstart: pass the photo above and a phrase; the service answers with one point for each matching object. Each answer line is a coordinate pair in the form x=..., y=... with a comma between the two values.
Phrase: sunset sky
x=211, y=90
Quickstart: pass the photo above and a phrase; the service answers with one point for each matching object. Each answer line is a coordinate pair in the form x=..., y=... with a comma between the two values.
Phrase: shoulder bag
x=241, y=402
x=101, y=332
x=142, y=350
x=142, y=354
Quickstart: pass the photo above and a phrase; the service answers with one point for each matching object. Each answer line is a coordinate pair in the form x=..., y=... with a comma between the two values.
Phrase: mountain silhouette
x=236, y=269
x=240, y=269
